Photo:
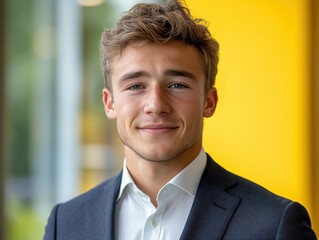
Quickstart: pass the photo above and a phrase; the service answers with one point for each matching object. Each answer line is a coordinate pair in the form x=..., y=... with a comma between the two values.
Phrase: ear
x=210, y=102
x=109, y=107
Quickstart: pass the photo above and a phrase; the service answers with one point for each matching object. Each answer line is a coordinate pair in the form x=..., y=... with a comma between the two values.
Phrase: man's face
x=159, y=101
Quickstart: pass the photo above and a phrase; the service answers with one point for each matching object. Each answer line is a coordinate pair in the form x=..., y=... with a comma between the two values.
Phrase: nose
x=157, y=101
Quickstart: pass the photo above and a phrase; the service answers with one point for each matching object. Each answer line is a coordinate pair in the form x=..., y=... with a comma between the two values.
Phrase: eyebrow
x=179, y=73
x=167, y=73
x=133, y=75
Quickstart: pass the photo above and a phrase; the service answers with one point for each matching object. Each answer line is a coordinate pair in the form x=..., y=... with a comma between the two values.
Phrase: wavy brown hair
x=159, y=24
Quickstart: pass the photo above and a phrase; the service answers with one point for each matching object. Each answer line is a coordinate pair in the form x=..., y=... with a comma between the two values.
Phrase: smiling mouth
x=158, y=129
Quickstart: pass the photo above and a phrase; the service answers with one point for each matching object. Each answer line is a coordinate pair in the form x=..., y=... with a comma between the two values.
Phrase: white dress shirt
x=136, y=217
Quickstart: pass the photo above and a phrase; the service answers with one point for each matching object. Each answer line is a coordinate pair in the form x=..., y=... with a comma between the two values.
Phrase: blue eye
x=178, y=85
x=135, y=87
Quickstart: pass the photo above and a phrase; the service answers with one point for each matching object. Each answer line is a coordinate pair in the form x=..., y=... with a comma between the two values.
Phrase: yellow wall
x=261, y=127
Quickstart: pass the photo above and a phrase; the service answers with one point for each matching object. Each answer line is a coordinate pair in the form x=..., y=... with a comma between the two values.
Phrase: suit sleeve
x=295, y=224
x=50, y=229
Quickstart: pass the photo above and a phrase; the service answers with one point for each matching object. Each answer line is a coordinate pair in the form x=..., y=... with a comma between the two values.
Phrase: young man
x=160, y=66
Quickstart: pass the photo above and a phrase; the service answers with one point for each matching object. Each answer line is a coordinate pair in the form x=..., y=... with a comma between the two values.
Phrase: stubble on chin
x=158, y=156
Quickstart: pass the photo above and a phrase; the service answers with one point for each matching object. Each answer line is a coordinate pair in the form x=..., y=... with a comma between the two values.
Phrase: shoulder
x=97, y=196
x=270, y=213
x=248, y=191
x=106, y=190
x=75, y=218
x=256, y=194
x=262, y=210
x=253, y=197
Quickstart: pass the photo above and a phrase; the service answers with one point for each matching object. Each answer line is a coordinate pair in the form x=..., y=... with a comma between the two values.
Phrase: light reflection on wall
x=90, y=3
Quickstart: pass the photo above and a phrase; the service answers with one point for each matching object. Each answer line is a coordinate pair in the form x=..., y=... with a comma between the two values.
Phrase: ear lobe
x=108, y=104
x=210, y=103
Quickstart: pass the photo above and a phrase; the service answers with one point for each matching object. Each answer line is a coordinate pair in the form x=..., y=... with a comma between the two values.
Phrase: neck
x=151, y=176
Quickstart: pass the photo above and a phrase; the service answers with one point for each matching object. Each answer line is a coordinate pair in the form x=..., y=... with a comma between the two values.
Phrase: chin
x=159, y=156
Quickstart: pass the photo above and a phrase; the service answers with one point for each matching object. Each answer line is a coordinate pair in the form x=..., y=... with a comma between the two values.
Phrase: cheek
x=192, y=112
x=193, y=107
x=192, y=115
x=126, y=114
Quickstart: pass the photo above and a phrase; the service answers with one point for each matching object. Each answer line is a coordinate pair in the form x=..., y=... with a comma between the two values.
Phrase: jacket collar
x=211, y=212
x=213, y=207
x=100, y=211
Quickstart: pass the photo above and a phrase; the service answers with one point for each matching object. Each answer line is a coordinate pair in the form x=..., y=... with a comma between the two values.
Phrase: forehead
x=173, y=54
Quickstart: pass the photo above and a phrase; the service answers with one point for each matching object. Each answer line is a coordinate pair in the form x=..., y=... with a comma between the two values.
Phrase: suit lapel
x=211, y=212
x=100, y=211
x=213, y=207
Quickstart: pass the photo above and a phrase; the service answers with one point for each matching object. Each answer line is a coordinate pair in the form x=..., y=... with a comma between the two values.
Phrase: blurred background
x=57, y=143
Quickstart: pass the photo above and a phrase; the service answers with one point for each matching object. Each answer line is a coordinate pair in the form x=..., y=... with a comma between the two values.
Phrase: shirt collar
x=187, y=180
x=126, y=180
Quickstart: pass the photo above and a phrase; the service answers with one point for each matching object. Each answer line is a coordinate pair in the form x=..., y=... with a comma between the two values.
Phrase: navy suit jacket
x=226, y=206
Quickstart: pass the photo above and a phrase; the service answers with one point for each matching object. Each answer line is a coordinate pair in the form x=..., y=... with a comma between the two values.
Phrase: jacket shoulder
x=89, y=214
x=109, y=187
x=262, y=214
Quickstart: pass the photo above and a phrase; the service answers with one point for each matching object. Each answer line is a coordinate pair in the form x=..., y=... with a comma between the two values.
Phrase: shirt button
x=154, y=223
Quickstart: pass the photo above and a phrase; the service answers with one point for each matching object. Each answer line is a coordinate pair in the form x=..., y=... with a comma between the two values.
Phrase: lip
x=158, y=128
